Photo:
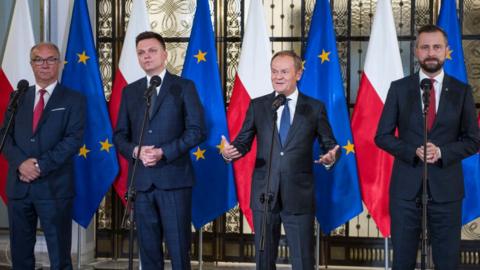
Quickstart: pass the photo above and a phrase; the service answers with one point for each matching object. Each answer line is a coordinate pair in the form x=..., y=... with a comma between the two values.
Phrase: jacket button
x=281, y=154
x=32, y=140
x=150, y=131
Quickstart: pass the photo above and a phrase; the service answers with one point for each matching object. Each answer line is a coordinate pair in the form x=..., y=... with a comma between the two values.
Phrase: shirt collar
x=438, y=78
x=161, y=75
x=293, y=96
x=49, y=88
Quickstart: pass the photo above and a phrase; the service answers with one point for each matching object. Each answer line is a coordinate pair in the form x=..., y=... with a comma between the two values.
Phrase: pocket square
x=58, y=109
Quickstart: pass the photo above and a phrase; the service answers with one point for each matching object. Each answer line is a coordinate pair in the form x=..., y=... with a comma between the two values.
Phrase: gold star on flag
x=199, y=154
x=324, y=56
x=82, y=58
x=221, y=146
x=83, y=151
x=106, y=145
x=449, y=54
x=350, y=148
x=200, y=56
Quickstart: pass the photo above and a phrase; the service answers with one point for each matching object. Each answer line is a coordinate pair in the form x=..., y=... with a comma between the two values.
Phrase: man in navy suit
x=47, y=133
x=298, y=124
x=164, y=177
x=452, y=136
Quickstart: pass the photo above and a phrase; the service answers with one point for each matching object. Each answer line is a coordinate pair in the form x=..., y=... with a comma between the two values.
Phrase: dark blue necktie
x=284, y=123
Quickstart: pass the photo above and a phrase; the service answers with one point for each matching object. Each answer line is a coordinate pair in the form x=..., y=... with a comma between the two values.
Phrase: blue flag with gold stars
x=455, y=66
x=96, y=163
x=338, y=196
x=214, y=190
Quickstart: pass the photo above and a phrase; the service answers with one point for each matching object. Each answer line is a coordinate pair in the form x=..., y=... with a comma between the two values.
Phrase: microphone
x=155, y=81
x=278, y=101
x=22, y=87
x=426, y=86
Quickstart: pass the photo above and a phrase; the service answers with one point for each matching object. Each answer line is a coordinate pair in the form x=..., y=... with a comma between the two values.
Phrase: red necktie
x=38, y=110
x=431, y=109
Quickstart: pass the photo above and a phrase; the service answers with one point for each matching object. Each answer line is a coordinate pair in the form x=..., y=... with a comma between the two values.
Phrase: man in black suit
x=452, y=136
x=47, y=133
x=298, y=123
x=164, y=177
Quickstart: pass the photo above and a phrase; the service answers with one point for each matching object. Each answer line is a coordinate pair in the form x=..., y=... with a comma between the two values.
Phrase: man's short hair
x=431, y=28
x=45, y=44
x=149, y=35
x=297, y=61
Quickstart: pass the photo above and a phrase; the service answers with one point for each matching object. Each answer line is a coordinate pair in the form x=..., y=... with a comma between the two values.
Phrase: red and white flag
x=252, y=80
x=129, y=70
x=382, y=66
x=15, y=67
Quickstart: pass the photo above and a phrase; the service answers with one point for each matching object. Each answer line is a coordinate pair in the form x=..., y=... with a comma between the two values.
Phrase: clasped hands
x=29, y=170
x=149, y=155
x=433, y=153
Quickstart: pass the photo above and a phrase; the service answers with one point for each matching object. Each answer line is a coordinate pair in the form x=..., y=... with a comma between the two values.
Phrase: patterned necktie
x=284, y=123
x=431, y=109
x=38, y=110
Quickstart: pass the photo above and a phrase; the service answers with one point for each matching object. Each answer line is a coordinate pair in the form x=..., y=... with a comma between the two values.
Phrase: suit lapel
x=271, y=123
x=415, y=103
x=164, y=89
x=25, y=110
x=53, y=101
x=298, y=118
x=444, y=97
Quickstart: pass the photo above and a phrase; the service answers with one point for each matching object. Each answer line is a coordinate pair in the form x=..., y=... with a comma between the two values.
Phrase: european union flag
x=338, y=193
x=96, y=163
x=214, y=190
x=455, y=66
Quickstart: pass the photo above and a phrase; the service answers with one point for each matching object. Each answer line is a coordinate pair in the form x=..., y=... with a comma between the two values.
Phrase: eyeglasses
x=40, y=61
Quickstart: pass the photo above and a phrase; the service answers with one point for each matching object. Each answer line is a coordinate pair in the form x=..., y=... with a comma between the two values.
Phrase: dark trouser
x=56, y=221
x=299, y=231
x=164, y=214
x=444, y=222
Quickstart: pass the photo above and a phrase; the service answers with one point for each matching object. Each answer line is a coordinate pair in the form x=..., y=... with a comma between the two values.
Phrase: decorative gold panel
x=471, y=15
x=471, y=49
x=171, y=18
x=104, y=20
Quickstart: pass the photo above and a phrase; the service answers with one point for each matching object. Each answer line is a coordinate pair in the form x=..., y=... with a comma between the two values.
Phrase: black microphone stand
x=426, y=105
x=131, y=193
x=13, y=111
x=267, y=197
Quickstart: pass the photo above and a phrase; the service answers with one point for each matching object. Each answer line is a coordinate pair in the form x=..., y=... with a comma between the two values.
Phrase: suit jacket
x=292, y=178
x=176, y=126
x=455, y=131
x=58, y=137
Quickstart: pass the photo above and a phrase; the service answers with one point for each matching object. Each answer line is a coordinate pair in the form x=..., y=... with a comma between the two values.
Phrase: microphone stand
x=131, y=193
x=13, y=111
x=266, y=197
x=426, y=105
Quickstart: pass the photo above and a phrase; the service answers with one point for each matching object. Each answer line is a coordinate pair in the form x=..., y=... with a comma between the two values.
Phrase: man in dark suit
x=164, y=178
x=298, y=123
x=47, y=133
x=452, y=136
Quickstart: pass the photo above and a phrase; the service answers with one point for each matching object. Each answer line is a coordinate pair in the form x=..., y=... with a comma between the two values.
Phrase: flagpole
x=79, y=246
x=46, y=20
x=200, y=249
x=317, y=246
x=386, y=253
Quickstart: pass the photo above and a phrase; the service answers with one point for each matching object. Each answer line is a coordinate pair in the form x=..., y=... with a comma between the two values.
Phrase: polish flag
x=15, y=67
x=129, y=70
x=382, y=66
x=252, y=81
